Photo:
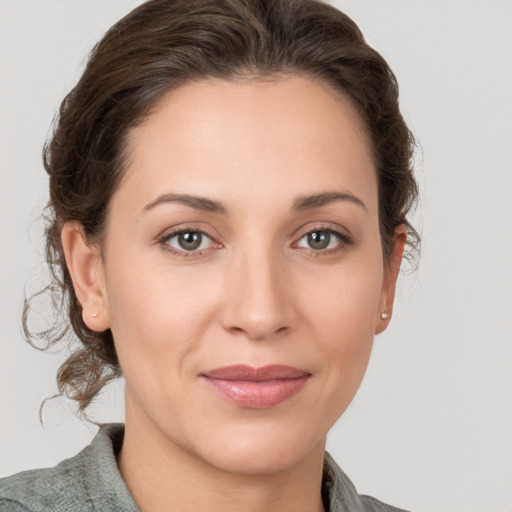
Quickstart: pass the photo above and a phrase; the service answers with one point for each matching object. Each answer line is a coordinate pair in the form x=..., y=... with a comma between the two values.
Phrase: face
x=242, y=271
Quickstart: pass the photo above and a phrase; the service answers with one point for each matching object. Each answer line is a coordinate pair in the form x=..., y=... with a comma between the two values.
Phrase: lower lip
x=260, y=394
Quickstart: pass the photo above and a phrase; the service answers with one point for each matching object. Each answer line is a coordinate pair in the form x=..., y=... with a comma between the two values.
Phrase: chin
x=254, y=461
x=264, y=450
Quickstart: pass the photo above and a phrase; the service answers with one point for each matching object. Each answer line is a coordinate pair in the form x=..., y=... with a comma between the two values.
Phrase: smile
x=256, y=388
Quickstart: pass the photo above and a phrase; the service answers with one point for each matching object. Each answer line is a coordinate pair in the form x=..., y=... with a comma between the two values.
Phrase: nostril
x=257, y=304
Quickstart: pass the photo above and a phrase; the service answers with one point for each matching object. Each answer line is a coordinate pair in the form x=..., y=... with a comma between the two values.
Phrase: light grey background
x=431, y=428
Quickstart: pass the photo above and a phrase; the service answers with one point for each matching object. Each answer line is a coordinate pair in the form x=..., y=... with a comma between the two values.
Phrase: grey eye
x=320, y=240
x=189, y=241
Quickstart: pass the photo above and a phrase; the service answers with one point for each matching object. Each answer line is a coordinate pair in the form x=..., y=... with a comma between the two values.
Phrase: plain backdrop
x=431, y=427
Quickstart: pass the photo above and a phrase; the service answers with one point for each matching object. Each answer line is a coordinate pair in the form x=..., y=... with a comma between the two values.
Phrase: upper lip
x=242, y=372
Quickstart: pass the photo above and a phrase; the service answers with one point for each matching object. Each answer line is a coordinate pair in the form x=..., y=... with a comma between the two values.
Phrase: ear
x=85, y=266
x=390, y=276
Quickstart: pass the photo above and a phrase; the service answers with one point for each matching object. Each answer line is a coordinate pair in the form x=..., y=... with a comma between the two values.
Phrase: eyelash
x=344, y=242
x=163, y=241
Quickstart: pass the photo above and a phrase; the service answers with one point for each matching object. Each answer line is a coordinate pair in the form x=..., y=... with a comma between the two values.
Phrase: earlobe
x=85, y=266
x=390, y=277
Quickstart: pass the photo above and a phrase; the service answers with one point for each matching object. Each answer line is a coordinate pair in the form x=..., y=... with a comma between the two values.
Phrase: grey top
x=91, y=481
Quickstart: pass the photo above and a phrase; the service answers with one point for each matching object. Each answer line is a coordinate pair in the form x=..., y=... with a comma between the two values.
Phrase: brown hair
x=157, y=47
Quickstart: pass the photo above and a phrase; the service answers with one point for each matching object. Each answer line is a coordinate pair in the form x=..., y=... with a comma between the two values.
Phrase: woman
x=229, y=190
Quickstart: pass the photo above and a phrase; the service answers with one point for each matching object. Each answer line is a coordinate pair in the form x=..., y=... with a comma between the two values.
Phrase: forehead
x=218, y=137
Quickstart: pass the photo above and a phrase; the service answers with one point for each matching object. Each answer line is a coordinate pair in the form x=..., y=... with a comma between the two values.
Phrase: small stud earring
x=94, y=315
x=383, y=316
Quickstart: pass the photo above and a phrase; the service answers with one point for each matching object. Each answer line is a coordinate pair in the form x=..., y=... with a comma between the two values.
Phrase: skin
x=255, y=293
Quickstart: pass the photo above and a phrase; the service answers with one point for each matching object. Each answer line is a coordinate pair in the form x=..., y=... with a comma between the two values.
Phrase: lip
x=256, y=388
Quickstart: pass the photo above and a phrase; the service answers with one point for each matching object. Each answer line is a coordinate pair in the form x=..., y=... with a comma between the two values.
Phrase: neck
x=158, y=473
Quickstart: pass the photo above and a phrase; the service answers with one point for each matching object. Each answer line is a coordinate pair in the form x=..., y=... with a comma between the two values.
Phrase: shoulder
x=342, y=495
x=8, y=505
x=88, y=481
x=45, y=489
x=374, y=505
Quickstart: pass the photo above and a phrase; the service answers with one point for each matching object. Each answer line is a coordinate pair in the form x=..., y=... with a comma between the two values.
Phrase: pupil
x=319, y=239
x=190, y=240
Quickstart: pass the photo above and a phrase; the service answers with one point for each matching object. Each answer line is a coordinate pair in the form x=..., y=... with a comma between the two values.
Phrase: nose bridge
x=257, y=302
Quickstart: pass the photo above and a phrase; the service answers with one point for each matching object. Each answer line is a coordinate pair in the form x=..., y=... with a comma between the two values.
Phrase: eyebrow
x=196, y=202
x=208, y=205
x=319, y=200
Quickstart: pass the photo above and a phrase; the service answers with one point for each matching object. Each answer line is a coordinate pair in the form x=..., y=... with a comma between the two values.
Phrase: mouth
x=256, y=388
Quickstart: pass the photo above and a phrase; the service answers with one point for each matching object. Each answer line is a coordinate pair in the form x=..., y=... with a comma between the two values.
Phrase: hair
x=157, y=47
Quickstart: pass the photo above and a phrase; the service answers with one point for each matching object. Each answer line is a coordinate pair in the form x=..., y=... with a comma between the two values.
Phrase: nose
x=259, y=297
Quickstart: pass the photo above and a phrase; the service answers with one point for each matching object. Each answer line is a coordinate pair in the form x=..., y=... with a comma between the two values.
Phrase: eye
x=320, y=240
x=188, y=240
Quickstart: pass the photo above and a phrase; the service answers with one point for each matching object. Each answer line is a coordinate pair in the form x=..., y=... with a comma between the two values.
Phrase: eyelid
x=344, y=235
x=166, y=235
x=311, y=227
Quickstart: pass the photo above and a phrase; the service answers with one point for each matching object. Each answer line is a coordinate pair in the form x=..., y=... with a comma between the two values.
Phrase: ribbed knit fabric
x=91, y=482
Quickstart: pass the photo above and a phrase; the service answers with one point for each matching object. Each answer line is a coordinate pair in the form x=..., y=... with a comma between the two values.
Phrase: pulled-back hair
x=159, y=46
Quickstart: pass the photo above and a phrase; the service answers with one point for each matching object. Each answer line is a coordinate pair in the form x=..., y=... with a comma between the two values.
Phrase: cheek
x=157, y=317
x=343, y=301
x=342, y=316
x=345, y=329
